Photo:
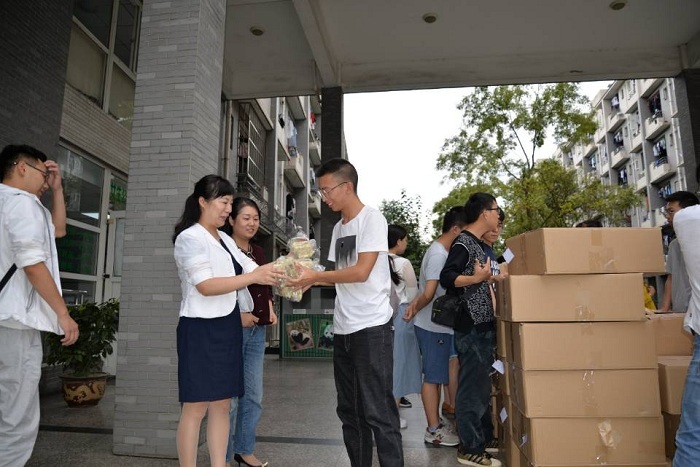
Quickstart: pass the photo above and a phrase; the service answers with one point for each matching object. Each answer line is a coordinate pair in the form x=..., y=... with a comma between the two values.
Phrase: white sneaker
x=451, y=425
x=477, y=460
x=441, y=437
x=402, y=423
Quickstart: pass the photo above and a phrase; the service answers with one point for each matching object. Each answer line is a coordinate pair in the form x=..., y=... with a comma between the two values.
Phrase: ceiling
x=381, y=45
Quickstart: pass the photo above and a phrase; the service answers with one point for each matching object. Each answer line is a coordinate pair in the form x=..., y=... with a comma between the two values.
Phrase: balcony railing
x=315, y=205
x=619, y=157
x=659, y=172
x=655, y=125
x=641, y=183
x=314, y=149
x=636, y=142
x=294, y=171
x=616, y=119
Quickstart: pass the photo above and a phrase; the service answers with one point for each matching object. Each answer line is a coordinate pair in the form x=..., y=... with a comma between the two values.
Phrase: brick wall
x=33, y=53
x=93, y=130
x=175, y=141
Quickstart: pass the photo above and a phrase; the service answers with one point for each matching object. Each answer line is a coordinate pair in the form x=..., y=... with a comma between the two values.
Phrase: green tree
x=496, y=151
x=407, y=211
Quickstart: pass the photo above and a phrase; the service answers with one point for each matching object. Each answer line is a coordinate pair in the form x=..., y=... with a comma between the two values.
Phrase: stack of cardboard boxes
x=674, y=348
x=580, y=385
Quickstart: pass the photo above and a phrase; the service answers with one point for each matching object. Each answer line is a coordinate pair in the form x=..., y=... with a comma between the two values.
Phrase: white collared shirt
x=686, y=224
x=27, y=237
x=199, y=257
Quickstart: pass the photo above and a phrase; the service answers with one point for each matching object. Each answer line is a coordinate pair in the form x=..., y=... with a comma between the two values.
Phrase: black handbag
x=445, y=310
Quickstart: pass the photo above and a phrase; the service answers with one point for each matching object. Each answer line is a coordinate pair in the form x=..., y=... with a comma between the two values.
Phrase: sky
x=394, y=139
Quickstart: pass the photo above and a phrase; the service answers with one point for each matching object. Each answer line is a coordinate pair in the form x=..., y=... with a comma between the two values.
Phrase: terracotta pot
x=84, y=391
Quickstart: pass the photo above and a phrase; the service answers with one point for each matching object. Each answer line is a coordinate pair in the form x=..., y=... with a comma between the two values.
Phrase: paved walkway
x=299, y=426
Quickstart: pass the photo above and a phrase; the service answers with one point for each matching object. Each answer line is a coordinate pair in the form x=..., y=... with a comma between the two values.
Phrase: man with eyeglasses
x=363, y=336
x=677, y=287
x=30, y=297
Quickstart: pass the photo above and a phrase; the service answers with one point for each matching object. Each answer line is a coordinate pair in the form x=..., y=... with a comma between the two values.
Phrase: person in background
x=407, y=362
x=436, y=342
x=30, y=297
x=468, y=269
x=214, y=274
x=677, y=285
x=242, y=226
x=363, y=339
x=489, y=239
x=687, y=226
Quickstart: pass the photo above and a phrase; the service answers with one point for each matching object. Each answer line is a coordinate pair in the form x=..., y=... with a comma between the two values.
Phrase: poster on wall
x=325, y=335
x=300, y=335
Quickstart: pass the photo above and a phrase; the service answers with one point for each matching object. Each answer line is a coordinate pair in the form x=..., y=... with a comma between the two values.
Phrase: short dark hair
x=590, y=223
x=454, y=217
x=476, y=204
x=13, y=152
x=683, y=198
x=340, y=167
x=501, y=215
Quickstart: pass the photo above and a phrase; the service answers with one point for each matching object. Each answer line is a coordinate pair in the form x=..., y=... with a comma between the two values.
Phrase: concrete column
x=688, y=84
x=34, y=55
x=175, y=141
x=332, y=142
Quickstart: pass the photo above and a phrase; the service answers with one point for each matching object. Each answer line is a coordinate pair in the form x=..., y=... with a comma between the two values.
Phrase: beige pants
x=20, y=370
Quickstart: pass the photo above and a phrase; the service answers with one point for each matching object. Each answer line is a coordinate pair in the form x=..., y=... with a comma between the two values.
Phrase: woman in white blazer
x=214, y=276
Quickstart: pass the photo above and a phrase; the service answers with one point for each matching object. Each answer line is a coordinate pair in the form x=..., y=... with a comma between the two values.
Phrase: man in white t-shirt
x=436, y=342
x=363, y=338
x=686, y=224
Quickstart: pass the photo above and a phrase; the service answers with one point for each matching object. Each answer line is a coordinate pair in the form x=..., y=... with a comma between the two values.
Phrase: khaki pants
x=20, y=370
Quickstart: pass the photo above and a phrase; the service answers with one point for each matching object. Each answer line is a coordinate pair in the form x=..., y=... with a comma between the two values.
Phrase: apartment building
x=639, y=143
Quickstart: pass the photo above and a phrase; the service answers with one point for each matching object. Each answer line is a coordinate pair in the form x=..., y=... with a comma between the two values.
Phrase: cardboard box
x=672, y=373
x=503, y=339
x=583, y=346
x=575, y=297
x=587, y=250
x=670, y=337
x=594, y=441
x=587, y=393
x=671, y=423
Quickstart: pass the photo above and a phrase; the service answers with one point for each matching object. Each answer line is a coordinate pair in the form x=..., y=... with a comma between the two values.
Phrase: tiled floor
x=299, y=426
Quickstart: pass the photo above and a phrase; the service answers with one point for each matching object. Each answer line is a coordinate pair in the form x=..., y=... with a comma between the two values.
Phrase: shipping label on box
x=576, y=297
x=583, y=346
x=587, y=250
x=672, y=374
x=594, y=441
x=670, y=337
x=587, y=393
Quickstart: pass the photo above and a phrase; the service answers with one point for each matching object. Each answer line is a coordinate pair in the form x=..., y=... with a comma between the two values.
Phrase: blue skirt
x=408, y=367
x=210, y=358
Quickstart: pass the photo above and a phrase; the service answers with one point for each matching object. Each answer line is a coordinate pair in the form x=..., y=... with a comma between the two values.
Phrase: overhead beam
x=311, y=20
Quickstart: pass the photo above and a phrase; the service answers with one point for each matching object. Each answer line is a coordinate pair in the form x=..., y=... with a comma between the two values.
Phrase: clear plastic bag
x=302, y=253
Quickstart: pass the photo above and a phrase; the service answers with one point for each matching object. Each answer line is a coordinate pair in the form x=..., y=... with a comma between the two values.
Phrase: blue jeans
x=245, y=411
x=476, y=355
x=688, y=436
x=363, y=368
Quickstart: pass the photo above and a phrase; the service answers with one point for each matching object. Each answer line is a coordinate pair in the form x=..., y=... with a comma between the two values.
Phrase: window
x=655, y=105
x=664, y=92
x=631, y=87
x=251, y=145
x=102, y=54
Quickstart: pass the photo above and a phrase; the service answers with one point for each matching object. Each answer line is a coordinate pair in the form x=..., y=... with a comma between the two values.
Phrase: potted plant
x=83, y=380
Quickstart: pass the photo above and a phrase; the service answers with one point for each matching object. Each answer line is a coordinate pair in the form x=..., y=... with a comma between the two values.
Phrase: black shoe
x=238, y=458
x=405, y=403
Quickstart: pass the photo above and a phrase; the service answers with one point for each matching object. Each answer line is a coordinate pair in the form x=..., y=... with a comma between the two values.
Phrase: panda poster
x=325, y=335
x=300, y=335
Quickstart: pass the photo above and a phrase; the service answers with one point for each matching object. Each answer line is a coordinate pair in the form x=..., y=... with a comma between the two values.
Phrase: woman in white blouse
x=214, y=276
x=408, y=378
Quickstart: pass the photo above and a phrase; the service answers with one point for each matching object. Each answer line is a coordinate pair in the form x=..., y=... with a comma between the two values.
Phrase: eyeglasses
x=45, y=173
x=324, y=192
x=492, y=209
